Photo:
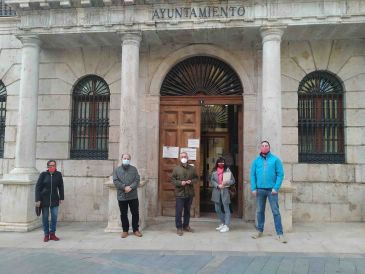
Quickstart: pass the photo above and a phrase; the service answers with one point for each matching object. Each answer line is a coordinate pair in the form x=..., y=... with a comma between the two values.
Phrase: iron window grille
x=201, y=75
x=321, y=118
x=5, y=10
x=3, y=95
x=90, y=119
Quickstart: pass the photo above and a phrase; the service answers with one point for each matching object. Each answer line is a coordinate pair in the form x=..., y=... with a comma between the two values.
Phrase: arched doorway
x=201, y=112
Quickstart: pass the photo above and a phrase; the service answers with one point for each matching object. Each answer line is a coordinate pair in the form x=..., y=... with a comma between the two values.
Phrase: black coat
x=49, y=189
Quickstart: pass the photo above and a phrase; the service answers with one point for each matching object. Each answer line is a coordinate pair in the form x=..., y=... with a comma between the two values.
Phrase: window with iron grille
x=90, y=119
x=2, y=117
x=5, y=10
x=320, y=118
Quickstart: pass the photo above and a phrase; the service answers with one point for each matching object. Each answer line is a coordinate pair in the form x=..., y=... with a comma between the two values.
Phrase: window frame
x=90, y=119
x=321, y=118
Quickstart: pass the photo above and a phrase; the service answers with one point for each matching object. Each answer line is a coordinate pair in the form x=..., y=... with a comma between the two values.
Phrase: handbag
x=232, y=191
x=38, y=210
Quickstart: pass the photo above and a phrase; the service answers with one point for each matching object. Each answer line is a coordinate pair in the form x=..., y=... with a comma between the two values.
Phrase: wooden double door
x=177, y=125
x=180, y=120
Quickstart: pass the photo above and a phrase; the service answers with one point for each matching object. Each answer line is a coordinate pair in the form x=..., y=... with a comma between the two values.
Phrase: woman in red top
x=221, y=179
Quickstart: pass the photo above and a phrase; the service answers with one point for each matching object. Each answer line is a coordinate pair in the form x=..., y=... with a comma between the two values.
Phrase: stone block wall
x=326, y=192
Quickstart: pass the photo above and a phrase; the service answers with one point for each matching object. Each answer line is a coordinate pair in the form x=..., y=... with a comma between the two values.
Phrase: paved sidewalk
x=86, y=248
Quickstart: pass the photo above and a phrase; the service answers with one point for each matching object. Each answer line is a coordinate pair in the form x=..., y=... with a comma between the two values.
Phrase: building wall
x=326, y=192
x=323, y=192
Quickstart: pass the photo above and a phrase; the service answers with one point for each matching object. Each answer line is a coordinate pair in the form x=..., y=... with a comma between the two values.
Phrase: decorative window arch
x=201, y=75
x=321, y=118
x=3, y=96
x=90, y=119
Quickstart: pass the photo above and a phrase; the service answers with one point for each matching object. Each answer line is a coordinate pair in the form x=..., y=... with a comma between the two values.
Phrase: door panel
x=177, y=125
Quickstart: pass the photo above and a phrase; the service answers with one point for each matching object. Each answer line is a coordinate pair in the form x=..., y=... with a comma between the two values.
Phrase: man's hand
x=221, y=186
x=274, y=192
x=188, y=182
x=127, y=189
x=183, y=183
x=38, y=204
x=254, y=193
x=61, y=201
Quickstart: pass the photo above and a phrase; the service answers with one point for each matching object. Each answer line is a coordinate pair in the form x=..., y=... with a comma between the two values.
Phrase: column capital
x=131, y=38
x=29, y=40
x=272, y=33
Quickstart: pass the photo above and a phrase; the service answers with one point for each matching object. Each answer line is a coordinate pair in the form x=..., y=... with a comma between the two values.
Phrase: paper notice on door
x=194, y=143
x=190, y=151
x=170, y=152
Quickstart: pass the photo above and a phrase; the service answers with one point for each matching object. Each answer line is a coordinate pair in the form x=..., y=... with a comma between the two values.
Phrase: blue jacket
x=266, y=173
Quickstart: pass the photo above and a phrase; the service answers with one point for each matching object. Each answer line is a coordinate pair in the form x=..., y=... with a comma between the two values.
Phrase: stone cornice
x=67, y=19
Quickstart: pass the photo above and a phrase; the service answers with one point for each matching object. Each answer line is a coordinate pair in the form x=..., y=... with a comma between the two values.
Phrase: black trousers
x=183, y=204
x=133, y=206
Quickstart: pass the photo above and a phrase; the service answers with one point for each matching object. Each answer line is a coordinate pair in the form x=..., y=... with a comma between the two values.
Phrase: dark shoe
x=188, y=229
x=137, y=233
x=46, y=238
x=124, y=234
x=179, y=232
x=53, y=237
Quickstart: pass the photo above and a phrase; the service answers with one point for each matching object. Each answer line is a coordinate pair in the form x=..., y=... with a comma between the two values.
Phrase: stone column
x=17, y=204
x=271, y=87
x=128, y=140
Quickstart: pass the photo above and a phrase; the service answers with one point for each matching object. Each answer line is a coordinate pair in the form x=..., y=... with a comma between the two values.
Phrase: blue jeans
x=183, y=204
x=261, y=196
x=224, y=217
x=45, y=214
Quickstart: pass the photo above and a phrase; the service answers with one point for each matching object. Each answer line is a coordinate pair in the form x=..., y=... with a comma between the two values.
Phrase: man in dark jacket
x=49, y=195
x=183, y=177
x=126, y=180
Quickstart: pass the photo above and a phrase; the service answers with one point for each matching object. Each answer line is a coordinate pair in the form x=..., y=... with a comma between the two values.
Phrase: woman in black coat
x=49, y=195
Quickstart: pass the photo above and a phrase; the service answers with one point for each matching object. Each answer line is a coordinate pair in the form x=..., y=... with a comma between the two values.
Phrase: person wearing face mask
x=49, y=194
x=126, y=180
x=221, y=179
x=266, y=176
x=183, y=177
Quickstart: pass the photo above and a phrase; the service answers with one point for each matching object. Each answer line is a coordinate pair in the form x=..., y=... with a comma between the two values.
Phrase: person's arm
x=135, y=183
x=61, y=190
x=118, y=184
x=253, y=178
x=231, y=180
x=279, y=170
x=38, y=188
x=194, y=179
x=213, y=180
x=174, y=178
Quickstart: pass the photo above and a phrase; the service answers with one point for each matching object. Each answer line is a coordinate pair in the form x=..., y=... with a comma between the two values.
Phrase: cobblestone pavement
x=18, y=260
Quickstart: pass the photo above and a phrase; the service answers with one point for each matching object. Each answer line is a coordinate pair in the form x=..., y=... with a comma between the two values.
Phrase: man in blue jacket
x=267, y=174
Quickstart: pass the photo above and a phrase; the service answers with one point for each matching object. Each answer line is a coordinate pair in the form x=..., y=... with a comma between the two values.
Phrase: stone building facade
x=50, y=46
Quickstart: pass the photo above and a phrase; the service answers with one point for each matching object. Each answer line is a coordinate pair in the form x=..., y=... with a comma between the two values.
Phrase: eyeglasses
x=51, y=165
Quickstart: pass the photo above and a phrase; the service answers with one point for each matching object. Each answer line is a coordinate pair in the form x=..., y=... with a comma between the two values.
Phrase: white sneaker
x=219, y=227
x=224, y=229
x=281, y=239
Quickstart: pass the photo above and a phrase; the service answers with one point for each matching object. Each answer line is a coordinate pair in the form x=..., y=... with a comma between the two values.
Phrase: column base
x=17, y=202
x=114, y=223
x=20, y=227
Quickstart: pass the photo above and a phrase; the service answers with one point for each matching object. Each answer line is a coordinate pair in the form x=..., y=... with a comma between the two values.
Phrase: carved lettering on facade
x=201, y=12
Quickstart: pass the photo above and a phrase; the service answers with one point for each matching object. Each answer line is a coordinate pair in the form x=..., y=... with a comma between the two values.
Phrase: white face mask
x=125, y=162
x=184, y=160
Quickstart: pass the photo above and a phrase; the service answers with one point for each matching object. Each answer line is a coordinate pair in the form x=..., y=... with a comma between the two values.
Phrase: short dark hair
x=220, y=160
x=51, y=161
x=265, y=142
